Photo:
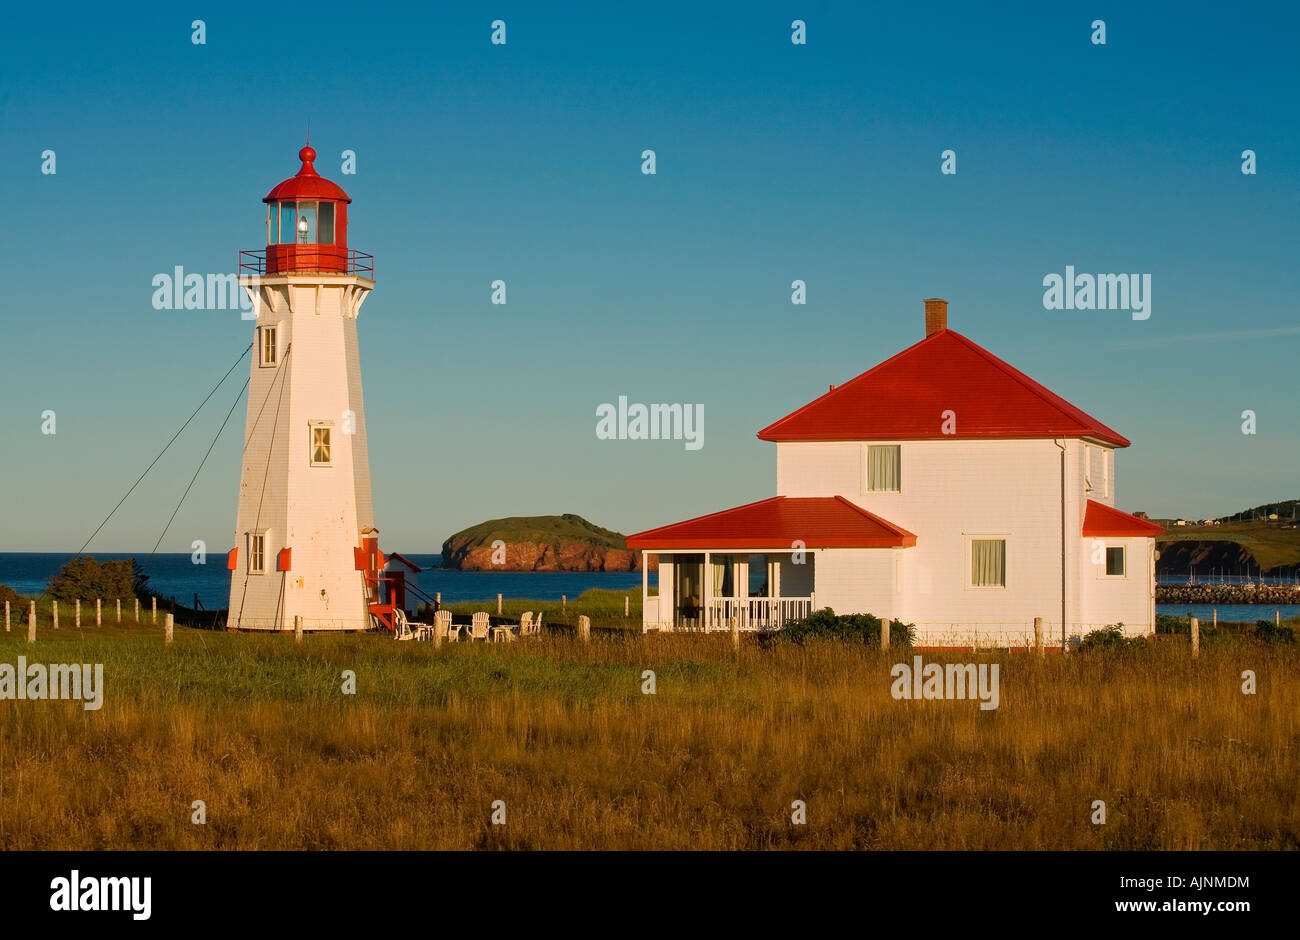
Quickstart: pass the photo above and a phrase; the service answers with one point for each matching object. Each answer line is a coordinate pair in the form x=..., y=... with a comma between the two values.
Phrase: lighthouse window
x=307, y=222
x=320, y=445
x=268, y=346
x=256, y=553
x=327, y=223
x=288, y=223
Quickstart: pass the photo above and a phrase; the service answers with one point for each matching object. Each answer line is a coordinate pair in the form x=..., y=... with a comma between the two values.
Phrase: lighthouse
x=305, y=542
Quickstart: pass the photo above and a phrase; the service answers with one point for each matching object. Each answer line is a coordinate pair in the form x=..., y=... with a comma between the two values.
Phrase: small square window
x=256, y=553
x=320, y=445
x=883, y=467
x=268, y=347
x=1115, y=561
x=988, y=563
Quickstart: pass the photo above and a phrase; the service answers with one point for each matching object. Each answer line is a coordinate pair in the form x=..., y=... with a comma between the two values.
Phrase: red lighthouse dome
x=307, y=226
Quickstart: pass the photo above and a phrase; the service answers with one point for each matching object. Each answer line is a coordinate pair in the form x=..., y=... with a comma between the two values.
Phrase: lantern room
x=307, y=228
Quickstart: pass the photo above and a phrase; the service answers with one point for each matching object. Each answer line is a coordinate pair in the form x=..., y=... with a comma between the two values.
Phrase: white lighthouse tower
x=305, y=543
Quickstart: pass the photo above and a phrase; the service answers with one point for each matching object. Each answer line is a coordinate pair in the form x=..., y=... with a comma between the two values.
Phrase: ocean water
x=175, y=575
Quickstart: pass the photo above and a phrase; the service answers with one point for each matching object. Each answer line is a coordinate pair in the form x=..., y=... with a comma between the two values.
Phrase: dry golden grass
x=258, y=728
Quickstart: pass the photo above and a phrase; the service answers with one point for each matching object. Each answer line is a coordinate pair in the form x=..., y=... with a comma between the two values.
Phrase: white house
x=942, y=488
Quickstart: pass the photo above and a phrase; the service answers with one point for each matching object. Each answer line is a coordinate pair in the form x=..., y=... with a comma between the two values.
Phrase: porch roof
x=1102, y=520
x=775, y=524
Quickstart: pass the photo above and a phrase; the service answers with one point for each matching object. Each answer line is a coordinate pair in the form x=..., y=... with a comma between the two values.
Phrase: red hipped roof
x=776, y=523
x=1102, y=520
x=905, y=398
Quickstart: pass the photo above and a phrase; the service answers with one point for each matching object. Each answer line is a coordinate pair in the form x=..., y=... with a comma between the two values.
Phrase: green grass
x=258, y=727
x=604, y=607
x=1269, y=544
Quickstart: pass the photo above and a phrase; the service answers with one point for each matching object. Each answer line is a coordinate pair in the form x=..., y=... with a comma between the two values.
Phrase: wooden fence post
x=119, y=610
x=153, y=602
x=1216, y=617
x=54, y=614
x=31, y=624
x=137, y=611
x=99, y=618
x=6, y=616
x=1196, y=638
x=297, y=629
x=1277, y=618
x=735, y=632
x=627, y=603
x=437, y=598
x=884, y=633
x=498, y=605
x=167, y=627
x=78, y=613
x=1038, y=637
x=584, y=628
x=564, y=602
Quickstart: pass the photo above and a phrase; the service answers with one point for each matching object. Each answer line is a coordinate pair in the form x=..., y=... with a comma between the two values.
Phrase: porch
x=708, y=591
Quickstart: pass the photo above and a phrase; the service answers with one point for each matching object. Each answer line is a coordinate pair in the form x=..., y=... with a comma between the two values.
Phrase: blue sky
x=775, y=162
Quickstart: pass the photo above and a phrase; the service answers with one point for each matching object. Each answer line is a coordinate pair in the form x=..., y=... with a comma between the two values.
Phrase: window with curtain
x=724, y=569
x=988, y=562
x=883, y=467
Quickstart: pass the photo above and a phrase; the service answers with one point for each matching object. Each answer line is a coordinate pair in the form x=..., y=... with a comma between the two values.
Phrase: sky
x=523, y=162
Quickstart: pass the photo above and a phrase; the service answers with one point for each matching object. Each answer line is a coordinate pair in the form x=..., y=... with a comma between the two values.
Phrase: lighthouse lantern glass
x=307, y=222
x=288, y=223
x=325, y=228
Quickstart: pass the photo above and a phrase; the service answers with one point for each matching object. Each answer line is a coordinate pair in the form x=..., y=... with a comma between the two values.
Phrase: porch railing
x=750, y=613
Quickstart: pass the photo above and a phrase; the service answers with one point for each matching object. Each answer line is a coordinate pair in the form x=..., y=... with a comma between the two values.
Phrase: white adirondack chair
x=442, y=625
x=401, y=629
x=537, y=623
x=526, y=624
x=478, y=629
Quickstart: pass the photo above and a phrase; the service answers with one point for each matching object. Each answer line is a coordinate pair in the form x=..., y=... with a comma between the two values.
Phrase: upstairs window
x=884, y=467
x=988, y=563
x=1115, y=561
x=267, y=347
x=321, y=455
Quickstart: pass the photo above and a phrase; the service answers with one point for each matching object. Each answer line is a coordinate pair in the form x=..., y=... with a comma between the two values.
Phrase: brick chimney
x=936, y=315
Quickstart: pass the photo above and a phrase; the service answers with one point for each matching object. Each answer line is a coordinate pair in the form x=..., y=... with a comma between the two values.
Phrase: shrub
x=1168, y=623
x=84, y=577
x=1110, y=637
x=1270, y=632
x=9, y=594
x=860, y=628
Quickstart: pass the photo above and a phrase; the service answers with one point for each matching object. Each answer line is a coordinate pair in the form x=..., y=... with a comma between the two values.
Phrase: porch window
x=1115, y=561
x=883, y=467
x=760, y=582
x=724, y=570
x=988, y=562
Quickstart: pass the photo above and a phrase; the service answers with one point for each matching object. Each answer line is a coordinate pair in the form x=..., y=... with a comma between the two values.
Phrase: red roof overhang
x=776, y=524
x=1101, y=520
